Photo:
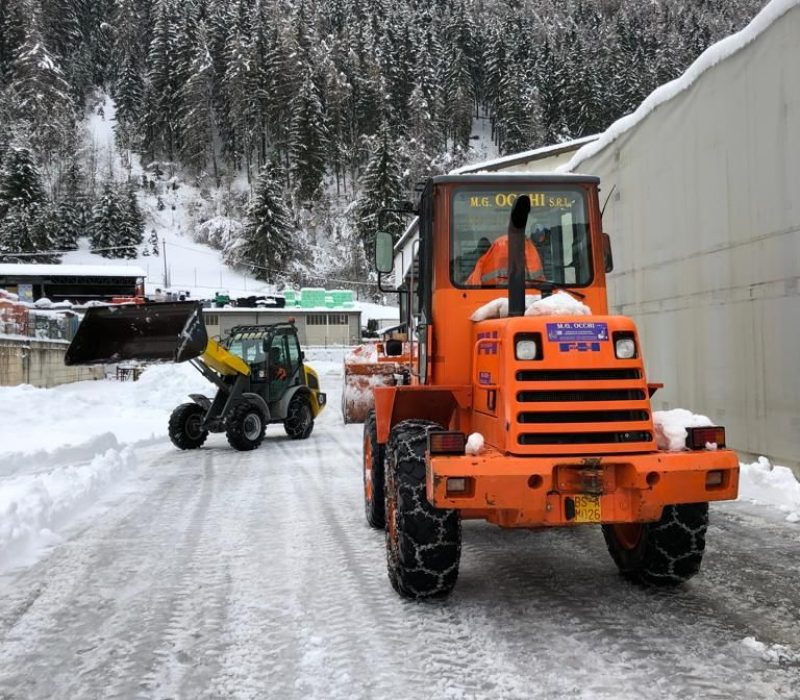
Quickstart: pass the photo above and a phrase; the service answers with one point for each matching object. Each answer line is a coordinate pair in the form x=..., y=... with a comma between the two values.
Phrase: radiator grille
x=586, y=395
x=572, y=375
x=593, y=410
x=616, y=437
x=533, y=417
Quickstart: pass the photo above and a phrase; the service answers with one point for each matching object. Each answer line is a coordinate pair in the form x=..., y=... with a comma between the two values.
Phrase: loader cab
x=273, y=354
x=445, y=270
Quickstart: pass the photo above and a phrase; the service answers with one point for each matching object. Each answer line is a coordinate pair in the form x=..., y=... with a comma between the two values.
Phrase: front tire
x=184, y=426
x=245, y=426
x=664, y=553
x=373, y=471
x=299, y=419
x=423, y=543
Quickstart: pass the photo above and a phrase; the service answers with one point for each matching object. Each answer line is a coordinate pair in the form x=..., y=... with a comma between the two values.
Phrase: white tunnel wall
x=705, y=224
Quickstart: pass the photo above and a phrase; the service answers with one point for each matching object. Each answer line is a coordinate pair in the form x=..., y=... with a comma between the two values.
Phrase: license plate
x=587, y=509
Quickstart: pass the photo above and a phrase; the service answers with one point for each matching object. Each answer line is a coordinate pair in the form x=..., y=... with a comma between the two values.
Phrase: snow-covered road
x=223, y=574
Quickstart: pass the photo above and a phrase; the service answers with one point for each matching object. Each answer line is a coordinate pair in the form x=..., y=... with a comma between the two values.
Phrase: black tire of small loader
x=423, y=543
x=237, y=423
x=184, y=426
x=374, y=506
x=668, y=552
x=299, y=418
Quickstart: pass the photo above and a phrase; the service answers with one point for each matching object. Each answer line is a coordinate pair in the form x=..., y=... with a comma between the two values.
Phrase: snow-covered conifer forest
x=293, y=121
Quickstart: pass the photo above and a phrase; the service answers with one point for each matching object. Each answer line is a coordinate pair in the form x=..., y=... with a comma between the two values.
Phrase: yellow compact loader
x=259, y=371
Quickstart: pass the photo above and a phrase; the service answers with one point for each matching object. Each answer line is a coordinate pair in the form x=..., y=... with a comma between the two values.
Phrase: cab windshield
x=557, y=246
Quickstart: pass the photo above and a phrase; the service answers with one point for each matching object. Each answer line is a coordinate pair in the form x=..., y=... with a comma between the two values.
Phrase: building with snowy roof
x=705, y=223
x=76, y=283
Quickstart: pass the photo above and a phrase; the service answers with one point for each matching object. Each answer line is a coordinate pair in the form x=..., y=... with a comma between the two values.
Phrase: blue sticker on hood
x=577, y=332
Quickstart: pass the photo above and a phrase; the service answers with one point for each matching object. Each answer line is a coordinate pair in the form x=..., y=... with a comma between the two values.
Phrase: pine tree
x=309, y=141
x=14, y=17
x=153, y=243
x=64, y=225
x=26, y=230
x=20, y=183
x=41, y=96
x=266, y=247
x=161, y=103
x=458, y=98
x=131, y=233
x=381, y=186
x=199, y=118
x=110, y=225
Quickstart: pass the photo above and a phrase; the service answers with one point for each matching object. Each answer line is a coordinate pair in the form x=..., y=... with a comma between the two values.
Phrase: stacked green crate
x=289, y=295
x=342, y=297
x=312, y=297
x=329, y=303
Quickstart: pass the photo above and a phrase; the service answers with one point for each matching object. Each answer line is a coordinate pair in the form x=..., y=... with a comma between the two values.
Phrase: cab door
x=279, y=366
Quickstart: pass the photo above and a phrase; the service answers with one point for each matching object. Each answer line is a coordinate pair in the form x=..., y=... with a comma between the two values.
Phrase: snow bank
x=777, y=654
x=45, y=419
x=362, y=355
x=670, y=427
x=32, y=506
x=558, y=304
x=765, y=483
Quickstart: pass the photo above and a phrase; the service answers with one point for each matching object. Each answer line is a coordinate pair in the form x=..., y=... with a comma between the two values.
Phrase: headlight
x=625, y=348
x=527, y=349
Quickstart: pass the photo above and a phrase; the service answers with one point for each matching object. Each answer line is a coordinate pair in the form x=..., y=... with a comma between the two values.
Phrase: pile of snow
x=765, y=483
x=45, y=419
x=558, y=304
x=777, y=654
x=32, y=506
x=474, y=444
x=362, y=355
x=670, y=427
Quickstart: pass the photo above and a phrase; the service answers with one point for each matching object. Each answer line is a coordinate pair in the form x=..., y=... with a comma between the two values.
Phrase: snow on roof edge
x=72, y=270
x=714, y=54
x=535, y=154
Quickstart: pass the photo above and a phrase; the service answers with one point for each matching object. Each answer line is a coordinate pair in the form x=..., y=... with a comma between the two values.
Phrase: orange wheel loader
x=556, y=392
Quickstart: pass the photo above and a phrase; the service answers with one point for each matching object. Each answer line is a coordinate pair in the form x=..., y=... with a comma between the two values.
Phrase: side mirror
x=384, y=252
x=608, y=258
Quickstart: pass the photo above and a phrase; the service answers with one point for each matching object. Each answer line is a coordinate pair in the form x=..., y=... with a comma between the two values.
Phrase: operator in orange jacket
x=491, y=270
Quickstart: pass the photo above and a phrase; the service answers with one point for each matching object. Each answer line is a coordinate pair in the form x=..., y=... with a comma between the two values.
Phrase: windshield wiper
x=546, y=287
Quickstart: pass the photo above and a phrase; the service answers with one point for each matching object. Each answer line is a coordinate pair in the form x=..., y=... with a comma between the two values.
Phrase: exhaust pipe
x=516, y=255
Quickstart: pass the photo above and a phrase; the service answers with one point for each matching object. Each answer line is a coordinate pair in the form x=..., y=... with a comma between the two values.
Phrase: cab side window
x=294, y=353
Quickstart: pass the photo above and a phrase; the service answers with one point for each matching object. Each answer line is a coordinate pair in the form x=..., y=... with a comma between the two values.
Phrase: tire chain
x=670, y=550
x=424, y=560
x=678, y=542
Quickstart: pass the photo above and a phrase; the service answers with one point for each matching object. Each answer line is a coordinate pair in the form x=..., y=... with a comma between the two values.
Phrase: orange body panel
x=529, y=492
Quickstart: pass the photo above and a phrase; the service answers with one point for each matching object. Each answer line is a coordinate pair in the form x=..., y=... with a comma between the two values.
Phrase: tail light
x=698, y=438
x=446, y=443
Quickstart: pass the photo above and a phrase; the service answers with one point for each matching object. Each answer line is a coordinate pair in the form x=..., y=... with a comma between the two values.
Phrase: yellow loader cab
x=259, y=371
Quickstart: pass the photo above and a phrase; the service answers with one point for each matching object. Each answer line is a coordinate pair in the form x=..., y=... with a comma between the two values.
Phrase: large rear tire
x=373, y=470
x=184, y=426
x=245, y=426
x=423, y=543
x=299, y=419
x=665, y=553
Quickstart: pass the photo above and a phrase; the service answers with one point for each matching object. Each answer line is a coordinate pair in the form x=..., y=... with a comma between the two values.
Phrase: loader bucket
x=364, y=369
x=173, y=332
